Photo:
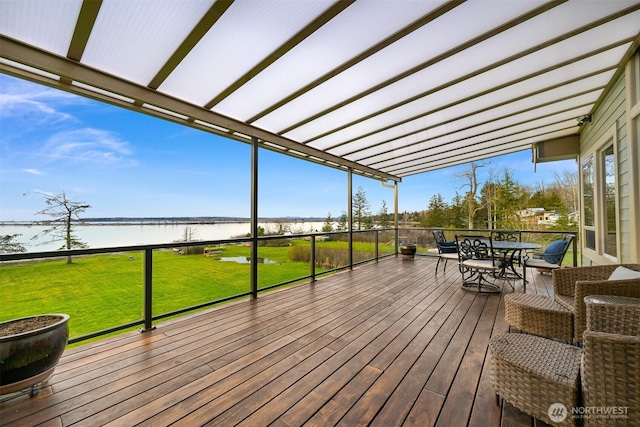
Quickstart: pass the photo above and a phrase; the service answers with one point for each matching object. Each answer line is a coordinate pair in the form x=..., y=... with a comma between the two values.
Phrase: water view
x=109, y=235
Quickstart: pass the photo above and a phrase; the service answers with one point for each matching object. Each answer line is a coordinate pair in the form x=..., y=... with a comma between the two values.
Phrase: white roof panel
x=387, y=88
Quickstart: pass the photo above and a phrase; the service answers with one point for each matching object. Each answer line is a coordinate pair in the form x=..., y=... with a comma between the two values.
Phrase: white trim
x=632, y=83
x=609, y=138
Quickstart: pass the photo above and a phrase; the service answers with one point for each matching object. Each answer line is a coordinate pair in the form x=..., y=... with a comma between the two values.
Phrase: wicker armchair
x=571, y=285
x=611, y=361
x=536, y=374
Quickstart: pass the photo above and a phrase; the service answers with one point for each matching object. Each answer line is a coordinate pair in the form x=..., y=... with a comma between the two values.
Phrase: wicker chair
x=538, y=315
x=533, y=373
x=536, y=374
x=611, y=363
x=571, y=285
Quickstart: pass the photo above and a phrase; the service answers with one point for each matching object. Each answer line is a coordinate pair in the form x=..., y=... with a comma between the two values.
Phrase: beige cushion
x=623, y=273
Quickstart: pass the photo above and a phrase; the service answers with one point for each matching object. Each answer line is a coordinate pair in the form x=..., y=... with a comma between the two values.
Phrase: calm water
x=100, y=236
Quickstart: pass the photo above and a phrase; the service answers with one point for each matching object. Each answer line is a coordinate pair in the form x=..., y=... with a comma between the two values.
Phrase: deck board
x=386, y=344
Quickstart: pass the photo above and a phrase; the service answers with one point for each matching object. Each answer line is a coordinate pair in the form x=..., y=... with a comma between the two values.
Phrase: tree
x=567, y=183
x=436, y=214
x=360, y=207
x=8, y=245
x=327, y=227
x=470, y=175
x=383, y=215
x=189, y=234
x=63, y=211
x=510, y=200
x=342, y=222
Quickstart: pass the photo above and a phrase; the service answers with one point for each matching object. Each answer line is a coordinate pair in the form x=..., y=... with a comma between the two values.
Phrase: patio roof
x=386, y=88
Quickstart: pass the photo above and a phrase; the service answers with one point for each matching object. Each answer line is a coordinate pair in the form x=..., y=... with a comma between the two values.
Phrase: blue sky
x=132, y=165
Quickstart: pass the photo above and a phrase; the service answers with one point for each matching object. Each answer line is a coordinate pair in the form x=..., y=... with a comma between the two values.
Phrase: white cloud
x=34, y=171
x=21, y=99
x=88, y=145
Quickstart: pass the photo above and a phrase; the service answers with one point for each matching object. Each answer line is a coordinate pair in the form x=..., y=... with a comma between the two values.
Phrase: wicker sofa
x=571, y=285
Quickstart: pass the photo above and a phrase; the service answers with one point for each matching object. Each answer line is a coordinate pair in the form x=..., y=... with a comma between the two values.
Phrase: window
x=599, y=199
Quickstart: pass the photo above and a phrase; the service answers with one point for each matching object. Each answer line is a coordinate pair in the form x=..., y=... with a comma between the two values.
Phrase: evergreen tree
x=383, y=216
x=342, y=222
x=360, y=207
x=510, y=200
x=327, y=227
x=437, y=213
x=9, y=245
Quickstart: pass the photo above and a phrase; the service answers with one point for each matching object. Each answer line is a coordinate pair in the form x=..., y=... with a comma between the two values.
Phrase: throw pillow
x=555, y=250
x=448, y=247
x=622, y=273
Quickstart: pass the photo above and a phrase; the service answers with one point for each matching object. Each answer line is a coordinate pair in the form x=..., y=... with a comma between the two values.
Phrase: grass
x=104, y=291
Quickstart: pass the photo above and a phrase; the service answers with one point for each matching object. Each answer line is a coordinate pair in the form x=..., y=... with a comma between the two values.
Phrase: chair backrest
x=555, y=252
x=439, y=236
x=444, y=247
x=506, y=235
x=613, y=314
x=611, y=378
x=478, y=247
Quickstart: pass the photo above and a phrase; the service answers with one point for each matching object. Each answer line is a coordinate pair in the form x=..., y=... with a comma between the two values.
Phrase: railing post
x=254, y=218
x=575, y=251
x=377, y=249
x=148, y=291
x=312, y=258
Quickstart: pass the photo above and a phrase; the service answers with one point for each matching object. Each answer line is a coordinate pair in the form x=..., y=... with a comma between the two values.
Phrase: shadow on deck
x=389, y=343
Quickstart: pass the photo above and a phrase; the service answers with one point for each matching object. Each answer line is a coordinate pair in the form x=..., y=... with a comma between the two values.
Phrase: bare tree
x=63, y=211
x=567, y=181
x=471, y=193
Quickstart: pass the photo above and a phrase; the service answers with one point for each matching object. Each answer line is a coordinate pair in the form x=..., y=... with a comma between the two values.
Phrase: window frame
x=596, y=154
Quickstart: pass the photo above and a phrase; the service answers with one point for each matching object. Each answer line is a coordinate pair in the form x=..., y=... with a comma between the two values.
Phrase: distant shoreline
x=164, y=221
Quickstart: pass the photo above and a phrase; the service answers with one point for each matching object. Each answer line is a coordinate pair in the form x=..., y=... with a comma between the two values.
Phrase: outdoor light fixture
x=584, y=119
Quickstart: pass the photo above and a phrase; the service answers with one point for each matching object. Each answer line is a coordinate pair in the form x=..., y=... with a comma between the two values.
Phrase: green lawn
x=103, y=291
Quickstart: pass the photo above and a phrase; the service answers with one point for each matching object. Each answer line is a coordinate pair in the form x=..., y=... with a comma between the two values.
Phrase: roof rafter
x=69, y=70
x=208, y=20
x=300, y=36
x=467, y=76
x=360, y=57
x=427, y=63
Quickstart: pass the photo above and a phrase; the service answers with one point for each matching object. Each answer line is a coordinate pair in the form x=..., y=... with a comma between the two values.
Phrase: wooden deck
x=386, y=344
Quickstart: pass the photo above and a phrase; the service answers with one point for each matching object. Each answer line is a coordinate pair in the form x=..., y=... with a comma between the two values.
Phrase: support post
x=395, y=214
x=350, y=215
x=148, y=291
x=254, y=217
x=312, y=258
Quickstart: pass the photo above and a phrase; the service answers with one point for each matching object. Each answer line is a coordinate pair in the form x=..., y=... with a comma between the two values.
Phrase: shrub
x=325, y=257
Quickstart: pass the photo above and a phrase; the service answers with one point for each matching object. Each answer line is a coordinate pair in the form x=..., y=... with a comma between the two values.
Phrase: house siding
x=613, y=111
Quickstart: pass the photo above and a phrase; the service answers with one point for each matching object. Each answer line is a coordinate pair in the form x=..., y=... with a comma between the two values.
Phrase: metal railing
x=394, y=237
x=148, y=317
x=423, y=237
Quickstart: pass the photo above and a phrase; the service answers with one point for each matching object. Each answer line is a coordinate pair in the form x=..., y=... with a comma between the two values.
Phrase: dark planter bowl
x=28, y=358
x=408, y=249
